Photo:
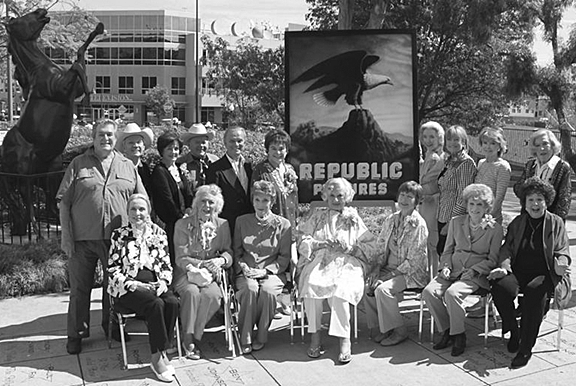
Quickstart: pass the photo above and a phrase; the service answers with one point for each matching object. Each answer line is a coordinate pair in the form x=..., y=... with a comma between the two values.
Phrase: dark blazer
x=165, y=194
x=236, y=201
x=561, y=180
x=146, y=177
x=555, y=242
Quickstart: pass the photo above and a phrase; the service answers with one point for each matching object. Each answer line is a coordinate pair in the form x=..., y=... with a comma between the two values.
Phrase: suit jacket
x=461, y=252
x=561, y=180
x=236, y=200
x=165, y=195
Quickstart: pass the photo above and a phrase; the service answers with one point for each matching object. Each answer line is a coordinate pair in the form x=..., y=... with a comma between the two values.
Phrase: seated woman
x=203, y=247
x=335, y=250
x=139, y=273
x=404, y=264
x=261, y=258
x=534, y=260
x=470, y=254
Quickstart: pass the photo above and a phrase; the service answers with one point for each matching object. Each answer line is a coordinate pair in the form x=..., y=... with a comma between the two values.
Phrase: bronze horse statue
x=36, y=142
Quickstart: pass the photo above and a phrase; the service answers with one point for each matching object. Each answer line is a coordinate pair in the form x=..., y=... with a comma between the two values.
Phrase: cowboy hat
x=197, y=130
x=133, y=129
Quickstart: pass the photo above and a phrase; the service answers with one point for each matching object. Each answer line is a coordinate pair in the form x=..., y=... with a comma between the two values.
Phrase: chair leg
x=302, y=317
x=487, y=302
x=178, y=340
x=292, y=310
x=420, y=319
x=355, y=324
x=122, y=324
x=560, y=328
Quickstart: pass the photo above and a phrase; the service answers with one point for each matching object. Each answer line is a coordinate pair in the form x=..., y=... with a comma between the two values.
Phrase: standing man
x=197, y=160
x=132, y=142
x=93, y=197
x=232, y=174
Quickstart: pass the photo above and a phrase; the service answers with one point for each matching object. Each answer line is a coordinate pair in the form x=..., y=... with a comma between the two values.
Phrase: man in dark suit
x=232, y=174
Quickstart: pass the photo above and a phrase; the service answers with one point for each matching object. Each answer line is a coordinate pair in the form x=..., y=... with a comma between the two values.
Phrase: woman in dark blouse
x=534, y=260
x=171, y=193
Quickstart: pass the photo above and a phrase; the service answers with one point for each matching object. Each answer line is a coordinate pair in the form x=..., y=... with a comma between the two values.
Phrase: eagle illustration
x=348, y=72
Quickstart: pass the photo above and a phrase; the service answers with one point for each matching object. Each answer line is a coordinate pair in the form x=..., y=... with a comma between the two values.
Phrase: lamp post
x=198, y=98
x=9, y=73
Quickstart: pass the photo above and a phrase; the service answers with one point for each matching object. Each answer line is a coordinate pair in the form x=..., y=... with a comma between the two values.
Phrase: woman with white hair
x=202, y=245
x=550, y=168
x=470, y=254
x=335, y=249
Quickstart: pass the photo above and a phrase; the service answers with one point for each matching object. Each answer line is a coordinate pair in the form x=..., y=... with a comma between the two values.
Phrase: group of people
x=223, y=216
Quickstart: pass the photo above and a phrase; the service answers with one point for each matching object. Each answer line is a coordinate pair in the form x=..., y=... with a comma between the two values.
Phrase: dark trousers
x=441, y=239
x=534, y=302
x=169, y=228
x=81, y=268
x=160, y=313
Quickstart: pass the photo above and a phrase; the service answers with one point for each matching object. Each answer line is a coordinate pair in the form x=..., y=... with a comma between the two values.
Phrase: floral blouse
x=195, y=241
x=326, y=272
x=412, y=238
x=128, y=255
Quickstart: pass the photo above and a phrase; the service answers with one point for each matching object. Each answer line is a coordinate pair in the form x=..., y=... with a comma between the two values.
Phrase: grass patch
x=32, y=269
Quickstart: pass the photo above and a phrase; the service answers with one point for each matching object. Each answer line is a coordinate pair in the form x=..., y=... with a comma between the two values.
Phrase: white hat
x=197, y=130
x=133, y=129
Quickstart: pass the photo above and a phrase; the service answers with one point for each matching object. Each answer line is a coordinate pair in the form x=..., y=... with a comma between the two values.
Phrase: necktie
x=242, y=174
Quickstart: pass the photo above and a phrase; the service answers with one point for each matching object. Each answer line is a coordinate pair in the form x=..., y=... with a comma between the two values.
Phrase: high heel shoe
x=163, y=376
x=444, y=342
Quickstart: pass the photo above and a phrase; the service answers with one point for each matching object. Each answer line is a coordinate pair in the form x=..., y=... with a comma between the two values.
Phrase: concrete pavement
x=33, y=340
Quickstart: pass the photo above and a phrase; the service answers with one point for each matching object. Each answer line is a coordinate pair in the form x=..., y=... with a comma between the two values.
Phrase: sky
x=278, y=12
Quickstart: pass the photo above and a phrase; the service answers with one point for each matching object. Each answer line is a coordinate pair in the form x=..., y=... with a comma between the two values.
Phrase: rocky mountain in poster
x=359, y=139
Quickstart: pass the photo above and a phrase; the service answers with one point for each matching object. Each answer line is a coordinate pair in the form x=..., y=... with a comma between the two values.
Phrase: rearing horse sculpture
x=36, y=142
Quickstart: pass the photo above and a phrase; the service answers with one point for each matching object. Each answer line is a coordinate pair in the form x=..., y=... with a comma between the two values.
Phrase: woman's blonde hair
x=495, y=134
x=437, y=128
x=480, y=192
x=459, y=132
x=554, y=142
x=264, y=187
x=338, y=182
x=212, y=191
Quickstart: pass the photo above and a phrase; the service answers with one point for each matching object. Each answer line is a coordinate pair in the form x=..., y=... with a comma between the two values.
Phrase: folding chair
x=124, y=314
x=231, y=309
x=418, y=292
x=486, y=297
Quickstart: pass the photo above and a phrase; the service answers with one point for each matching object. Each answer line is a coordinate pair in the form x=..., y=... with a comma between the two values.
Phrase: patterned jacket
x=124, y=262
x=561, y=180
x=412, y=248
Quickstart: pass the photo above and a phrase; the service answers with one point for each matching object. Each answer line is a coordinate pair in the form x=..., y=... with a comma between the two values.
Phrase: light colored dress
x=495, y=175
x=430, y=169
x=195, y=242
x=327, y=272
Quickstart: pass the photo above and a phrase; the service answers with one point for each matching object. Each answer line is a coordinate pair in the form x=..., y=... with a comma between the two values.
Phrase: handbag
x=199, y=276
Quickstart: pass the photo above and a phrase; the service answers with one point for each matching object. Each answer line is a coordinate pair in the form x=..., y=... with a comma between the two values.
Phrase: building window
x=148, y=83
x=102, y=85
x=207, y=114
x=125, y=85
x=178, y=86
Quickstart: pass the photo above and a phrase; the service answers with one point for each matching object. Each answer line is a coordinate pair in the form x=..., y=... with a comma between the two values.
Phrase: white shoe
x=166, y=376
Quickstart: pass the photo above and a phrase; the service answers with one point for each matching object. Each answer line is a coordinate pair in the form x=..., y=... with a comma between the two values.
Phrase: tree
x=250, y=78
x=156, y=100
x=66, y=31
x=555, y=80
x=460, y=46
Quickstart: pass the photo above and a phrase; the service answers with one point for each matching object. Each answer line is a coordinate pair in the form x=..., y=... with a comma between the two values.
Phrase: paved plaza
x=33, y=352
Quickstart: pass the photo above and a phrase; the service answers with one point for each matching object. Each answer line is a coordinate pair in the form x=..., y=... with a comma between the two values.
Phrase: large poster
x=351, y=110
